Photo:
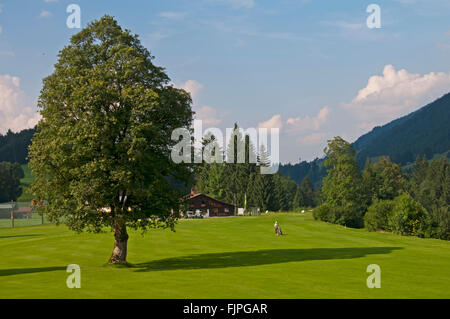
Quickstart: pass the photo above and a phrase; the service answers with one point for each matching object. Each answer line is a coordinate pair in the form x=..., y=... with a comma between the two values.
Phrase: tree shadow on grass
x=258, y=257
x=21, y=271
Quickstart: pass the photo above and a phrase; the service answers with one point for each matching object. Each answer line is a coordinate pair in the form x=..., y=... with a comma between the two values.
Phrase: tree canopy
x=101, y=154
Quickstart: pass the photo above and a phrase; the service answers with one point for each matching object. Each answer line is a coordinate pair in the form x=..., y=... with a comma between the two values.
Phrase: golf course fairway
x=234, y=257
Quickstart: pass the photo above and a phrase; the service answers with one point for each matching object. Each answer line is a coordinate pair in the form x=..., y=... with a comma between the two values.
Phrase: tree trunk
x=119, y=254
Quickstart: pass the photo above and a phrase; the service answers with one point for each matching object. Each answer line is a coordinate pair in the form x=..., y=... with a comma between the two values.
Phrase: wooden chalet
x=206, y=206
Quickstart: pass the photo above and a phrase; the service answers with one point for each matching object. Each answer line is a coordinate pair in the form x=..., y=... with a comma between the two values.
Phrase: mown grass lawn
x=236, y=257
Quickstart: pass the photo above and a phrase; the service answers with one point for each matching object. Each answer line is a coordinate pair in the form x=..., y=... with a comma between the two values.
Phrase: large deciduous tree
x=384, y=179
x=343, y=185
x=342, y=191
x=101, y=154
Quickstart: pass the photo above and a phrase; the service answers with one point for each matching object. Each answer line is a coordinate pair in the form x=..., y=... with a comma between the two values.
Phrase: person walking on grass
x=277, y=229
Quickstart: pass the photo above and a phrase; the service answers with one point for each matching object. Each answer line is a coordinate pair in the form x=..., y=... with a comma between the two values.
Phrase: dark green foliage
x=233, y=182
x=343, y=192
x=345, y=216
x=440, y=222
x=284, y=189
x=430, y=185
x=409, y=217
x=403, y=215
x=343, y=186
x=308, y=192
x=304, y=197
x=230, y=182
x=424, y=132
x=323, y=212
x=384, y=179
x=349, y=216
x=314, y=170
x=10, y=175
x=104, y=139
x=260, y=191
x=14, y=146
x=423, y=212
x=376, y=217
x=299, y=200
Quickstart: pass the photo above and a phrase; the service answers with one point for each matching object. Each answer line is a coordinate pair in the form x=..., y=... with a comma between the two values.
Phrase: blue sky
x=312, y=68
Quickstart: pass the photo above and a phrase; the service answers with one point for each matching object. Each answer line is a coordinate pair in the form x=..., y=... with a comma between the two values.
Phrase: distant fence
x=20, y=214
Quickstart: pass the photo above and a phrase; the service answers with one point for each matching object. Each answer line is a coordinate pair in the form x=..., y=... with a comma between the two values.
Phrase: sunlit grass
x=236, y=257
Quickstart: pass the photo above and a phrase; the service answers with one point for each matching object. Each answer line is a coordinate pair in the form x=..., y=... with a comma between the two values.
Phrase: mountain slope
x=423, y=132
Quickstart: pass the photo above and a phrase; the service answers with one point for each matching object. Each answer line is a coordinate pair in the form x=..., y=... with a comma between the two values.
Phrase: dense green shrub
x=376, y=217
x=409, y=217
x=322, y=213
x=347, y=216
x=440, y=222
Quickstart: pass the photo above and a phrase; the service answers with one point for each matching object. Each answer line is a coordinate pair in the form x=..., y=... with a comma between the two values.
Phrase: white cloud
x=192, y=87
x=45, y=14
x=15, y=110
x=394, y=94
x=308, y=123
x=209, y=116
x=274, y=122
x=172, y=15
x=1, y=29
x=313, y=139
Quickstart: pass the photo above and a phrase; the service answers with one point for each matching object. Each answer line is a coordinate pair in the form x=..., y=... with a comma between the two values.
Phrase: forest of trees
x=10, y=175
x=382, y=197
x=423, y=132
x=13, y=153
x=14, y=146
x=315, y=171
x=242, y=184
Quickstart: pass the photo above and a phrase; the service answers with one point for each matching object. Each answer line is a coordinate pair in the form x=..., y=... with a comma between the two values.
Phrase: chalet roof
x=191, y=196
